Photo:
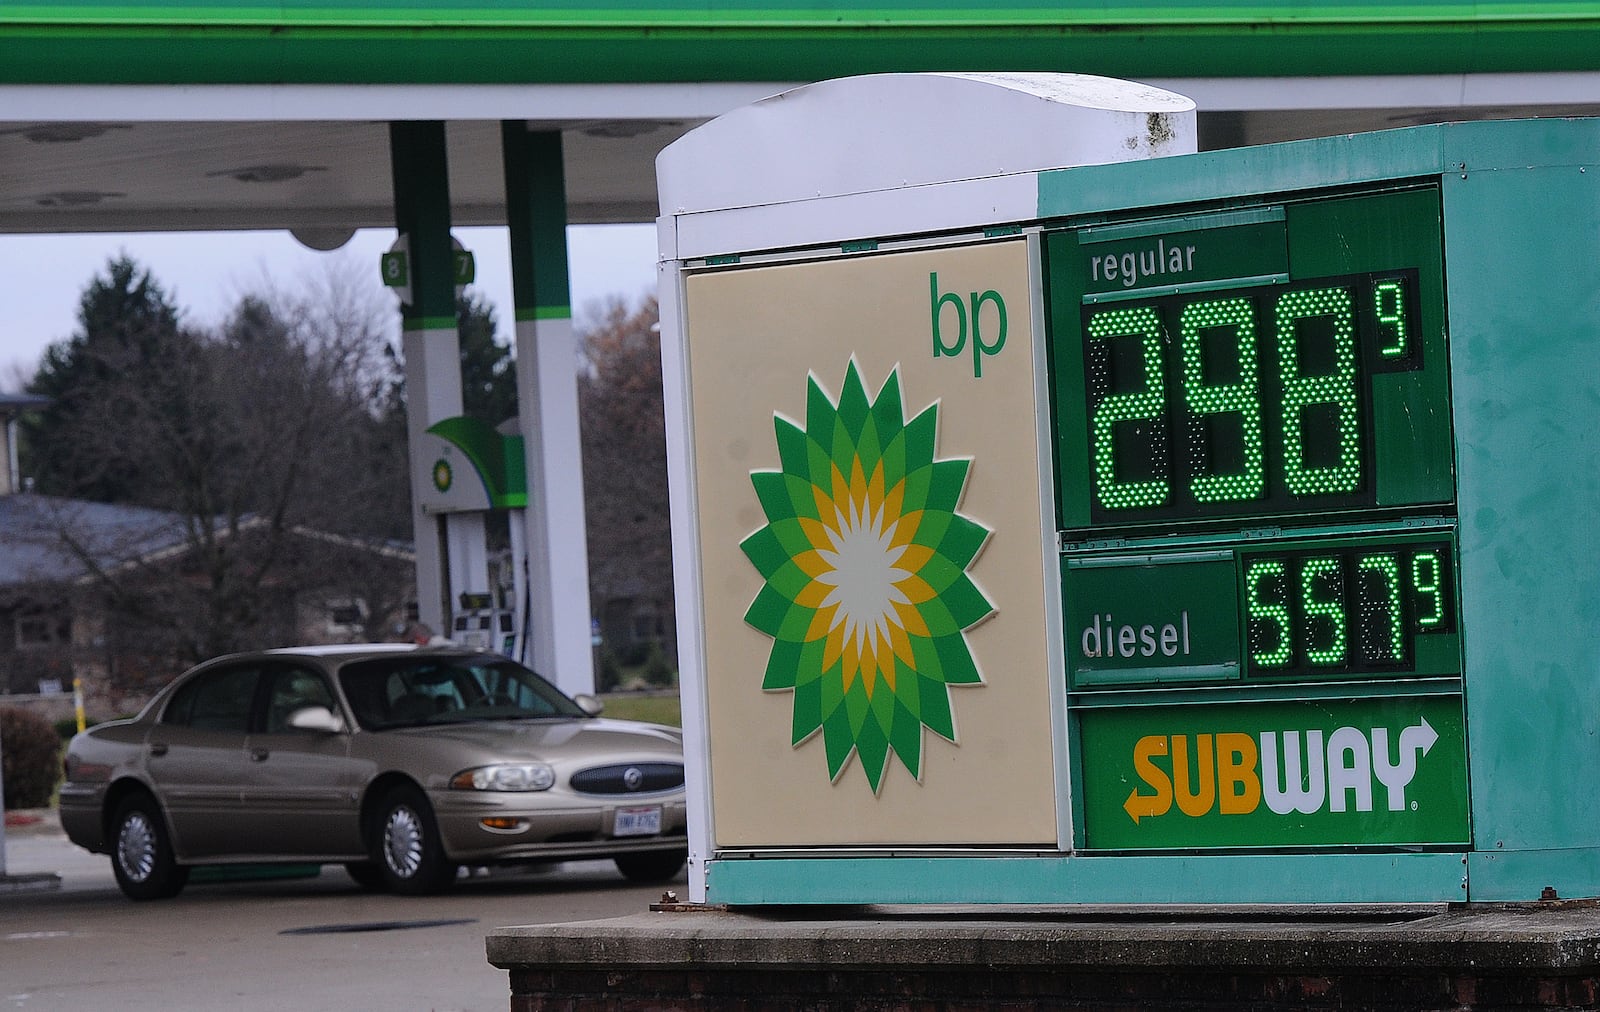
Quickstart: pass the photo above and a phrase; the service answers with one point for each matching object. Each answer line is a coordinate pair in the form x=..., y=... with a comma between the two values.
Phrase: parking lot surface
x=310, y=943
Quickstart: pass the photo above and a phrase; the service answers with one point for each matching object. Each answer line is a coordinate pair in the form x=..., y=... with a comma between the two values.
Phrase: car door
x=197, y=759
x=302, y=794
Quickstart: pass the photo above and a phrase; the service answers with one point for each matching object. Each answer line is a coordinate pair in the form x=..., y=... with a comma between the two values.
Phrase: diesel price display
x=1363, y=606
x=1345, y=608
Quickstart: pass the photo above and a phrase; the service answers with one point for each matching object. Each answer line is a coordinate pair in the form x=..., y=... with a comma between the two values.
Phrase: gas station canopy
x=187, y=115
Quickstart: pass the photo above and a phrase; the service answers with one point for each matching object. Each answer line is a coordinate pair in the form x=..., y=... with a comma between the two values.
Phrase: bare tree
x=265, y=442
x=625, y=463
x=15, y=375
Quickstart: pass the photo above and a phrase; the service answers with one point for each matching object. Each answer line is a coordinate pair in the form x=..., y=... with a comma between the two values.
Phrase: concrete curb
x=874, y=959
x=39, y=882
x=1562, y=939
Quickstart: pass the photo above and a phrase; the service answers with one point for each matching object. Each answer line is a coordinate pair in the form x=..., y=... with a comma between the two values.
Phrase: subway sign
x=1388, y=771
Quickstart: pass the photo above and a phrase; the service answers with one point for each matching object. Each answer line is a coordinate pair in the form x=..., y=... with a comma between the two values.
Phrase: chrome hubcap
x=402, y=841
x=136, y=846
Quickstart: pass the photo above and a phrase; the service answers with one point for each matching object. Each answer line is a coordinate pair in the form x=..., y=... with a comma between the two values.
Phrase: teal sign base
x=1061, y=879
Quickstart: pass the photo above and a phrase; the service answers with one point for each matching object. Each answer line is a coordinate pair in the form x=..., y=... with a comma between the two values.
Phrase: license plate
x=637, y=821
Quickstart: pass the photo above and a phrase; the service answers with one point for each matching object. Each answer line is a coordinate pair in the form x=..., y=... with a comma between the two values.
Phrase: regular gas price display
x=1290, y=366
x=1244, y=399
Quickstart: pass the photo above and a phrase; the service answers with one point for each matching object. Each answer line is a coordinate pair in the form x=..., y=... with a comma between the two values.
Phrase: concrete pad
x=1554, y=936
x=1074, y=958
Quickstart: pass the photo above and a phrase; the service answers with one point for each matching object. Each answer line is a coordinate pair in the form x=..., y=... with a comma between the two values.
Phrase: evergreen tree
x=128, y=331
x=488, y=371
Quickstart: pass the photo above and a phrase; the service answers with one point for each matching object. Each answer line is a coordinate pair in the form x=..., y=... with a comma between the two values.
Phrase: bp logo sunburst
x=866, y=593
x=443, y=476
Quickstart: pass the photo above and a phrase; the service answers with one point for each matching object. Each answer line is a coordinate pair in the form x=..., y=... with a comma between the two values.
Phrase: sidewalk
x=34, y=842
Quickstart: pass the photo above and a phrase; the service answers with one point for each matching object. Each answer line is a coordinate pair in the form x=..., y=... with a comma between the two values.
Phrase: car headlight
x=506, y=777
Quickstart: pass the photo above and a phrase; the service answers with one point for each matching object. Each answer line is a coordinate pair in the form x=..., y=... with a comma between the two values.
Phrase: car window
x=429, y=689
x=292, y=689
x=217, y=700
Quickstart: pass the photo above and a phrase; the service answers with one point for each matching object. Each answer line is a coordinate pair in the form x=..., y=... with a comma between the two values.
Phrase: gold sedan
x=402, y=763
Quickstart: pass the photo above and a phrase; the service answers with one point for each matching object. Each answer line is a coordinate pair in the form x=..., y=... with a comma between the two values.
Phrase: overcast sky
x=205, y=274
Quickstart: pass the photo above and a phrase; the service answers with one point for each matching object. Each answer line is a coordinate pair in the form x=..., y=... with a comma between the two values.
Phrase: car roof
x=357, y=651
x=344, y=649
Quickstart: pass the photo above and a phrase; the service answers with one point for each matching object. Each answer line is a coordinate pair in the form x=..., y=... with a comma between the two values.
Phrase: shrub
x=30, y=757
x=657, y=669
x=609, y=676
x=635, y=654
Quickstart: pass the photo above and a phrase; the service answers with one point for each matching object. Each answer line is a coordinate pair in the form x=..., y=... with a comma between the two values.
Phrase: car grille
x=629, y=778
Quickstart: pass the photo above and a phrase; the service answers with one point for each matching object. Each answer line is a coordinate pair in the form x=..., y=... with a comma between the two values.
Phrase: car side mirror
x=589, y=704
x=315, y=718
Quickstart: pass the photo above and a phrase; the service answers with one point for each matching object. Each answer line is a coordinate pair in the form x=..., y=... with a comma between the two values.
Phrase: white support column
x=432, y=361
x=554, y=526
x=458, y=562
x=547, y=405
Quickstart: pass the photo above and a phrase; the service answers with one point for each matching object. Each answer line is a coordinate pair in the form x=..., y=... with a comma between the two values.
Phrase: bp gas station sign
x=1204, y=528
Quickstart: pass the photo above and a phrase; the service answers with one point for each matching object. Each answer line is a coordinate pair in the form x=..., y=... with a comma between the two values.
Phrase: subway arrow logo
x=1241, y=775
x=1382, y=771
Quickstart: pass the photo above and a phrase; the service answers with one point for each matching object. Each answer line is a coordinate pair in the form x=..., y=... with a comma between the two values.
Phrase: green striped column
x=547, y=396
x=451, y=552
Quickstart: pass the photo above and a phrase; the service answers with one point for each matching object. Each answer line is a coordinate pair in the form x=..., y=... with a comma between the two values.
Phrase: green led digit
x=1332, y=610
x=1389, y=301
x=1387, y=570
x=1337, y=388
x=1242, y=398
x=1129, y=406
x=1267, y=572
x=1425, y=580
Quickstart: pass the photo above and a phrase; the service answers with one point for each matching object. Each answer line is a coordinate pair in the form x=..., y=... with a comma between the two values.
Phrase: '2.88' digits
x=1257, y=382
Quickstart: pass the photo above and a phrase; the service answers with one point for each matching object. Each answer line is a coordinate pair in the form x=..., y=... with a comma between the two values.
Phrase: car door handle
x=158, y=748
x=259, y=754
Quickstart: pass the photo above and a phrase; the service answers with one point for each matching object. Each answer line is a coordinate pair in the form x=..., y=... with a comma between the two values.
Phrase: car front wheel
x=141, y=853
x=406, y=845
x=658, y=866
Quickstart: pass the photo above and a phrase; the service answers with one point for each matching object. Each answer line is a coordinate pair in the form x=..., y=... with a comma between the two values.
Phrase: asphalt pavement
x=305, y=943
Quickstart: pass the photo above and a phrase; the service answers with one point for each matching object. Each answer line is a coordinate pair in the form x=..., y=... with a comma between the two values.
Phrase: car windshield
x=413, y=690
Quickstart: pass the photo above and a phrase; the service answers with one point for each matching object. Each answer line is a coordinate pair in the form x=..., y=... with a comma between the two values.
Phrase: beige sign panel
x=874, y=550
